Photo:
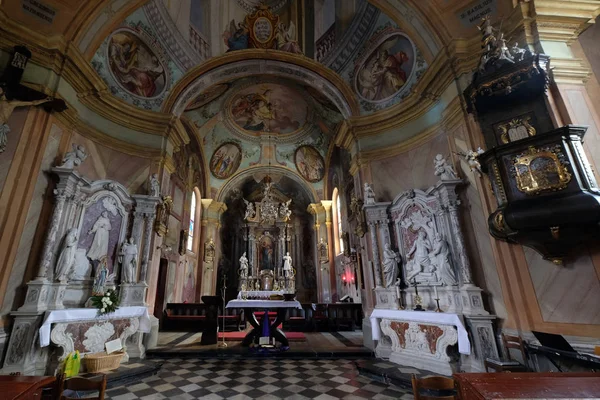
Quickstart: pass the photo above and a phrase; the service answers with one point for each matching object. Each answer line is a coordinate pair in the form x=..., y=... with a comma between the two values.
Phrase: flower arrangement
x=107, y=303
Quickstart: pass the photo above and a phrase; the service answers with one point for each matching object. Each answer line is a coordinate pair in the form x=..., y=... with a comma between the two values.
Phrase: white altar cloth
x=464, y=346
x=91, y=314
x=263, y=304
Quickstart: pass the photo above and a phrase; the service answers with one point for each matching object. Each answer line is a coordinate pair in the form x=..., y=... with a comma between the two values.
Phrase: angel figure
x=6, y=109
x=154, y=186
x=472, y=158
x=236, y=38
x=517, y=52
x=250, y=211
x=74, y=158
x=442, y=169
x=284, y=210
x=286, y=39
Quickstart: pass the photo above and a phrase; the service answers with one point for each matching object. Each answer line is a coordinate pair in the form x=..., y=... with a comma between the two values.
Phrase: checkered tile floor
x=258, y=379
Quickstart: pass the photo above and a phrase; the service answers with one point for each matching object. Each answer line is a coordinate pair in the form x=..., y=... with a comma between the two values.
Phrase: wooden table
x=528, y=385
x=24, y=387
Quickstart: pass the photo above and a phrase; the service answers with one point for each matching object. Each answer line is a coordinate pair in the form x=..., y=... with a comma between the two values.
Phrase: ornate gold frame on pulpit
x=532, y=178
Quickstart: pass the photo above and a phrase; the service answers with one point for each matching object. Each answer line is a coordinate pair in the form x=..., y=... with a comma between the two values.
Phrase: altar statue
x=287, y=265
x=369, y=194
x=250, y=212
x=243, y=266
x=390, y=265
x=74, y=158
x=154, y=186
x=440, y=256
x=100, y=279
x=442, y=169
x=67, y=256
x=421, y=265
x=284, y=210
x=101, y=229
x=128, y=259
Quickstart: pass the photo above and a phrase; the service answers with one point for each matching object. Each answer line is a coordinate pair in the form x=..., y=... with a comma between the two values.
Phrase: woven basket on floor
x=101, y=362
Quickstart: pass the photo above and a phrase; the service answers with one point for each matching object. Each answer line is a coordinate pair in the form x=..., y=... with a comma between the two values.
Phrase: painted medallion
x=309, y=163
x=225, y=160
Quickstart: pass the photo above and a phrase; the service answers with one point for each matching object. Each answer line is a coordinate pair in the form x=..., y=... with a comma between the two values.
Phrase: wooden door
x=159, y=303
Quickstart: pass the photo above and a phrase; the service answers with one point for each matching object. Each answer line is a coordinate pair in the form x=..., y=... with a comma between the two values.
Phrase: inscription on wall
x=472, y=14
x=39, y=10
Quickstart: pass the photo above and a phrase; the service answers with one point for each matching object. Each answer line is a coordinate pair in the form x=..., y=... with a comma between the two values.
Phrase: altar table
x=464, y=346
x=250, y=305
x=91, y=314
x=528, y=385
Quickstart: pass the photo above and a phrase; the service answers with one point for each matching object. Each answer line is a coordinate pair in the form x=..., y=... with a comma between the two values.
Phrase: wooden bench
x=184, y=317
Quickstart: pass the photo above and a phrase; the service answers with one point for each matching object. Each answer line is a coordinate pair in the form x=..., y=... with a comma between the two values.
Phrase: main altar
x=426, y=300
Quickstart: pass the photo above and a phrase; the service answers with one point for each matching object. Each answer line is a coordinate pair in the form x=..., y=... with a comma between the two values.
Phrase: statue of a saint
x=287, y=265
x=128, y=259
x=250, y=212
x=323, y=251
x=440, y=256
x=420, y=262
x=74, y=158
x=442, y=169
x=390, y=265
x=209, y=251
x=284, y=210
x=101, y=229
x=100, y=279
x=67, y=256
x=6, y=109
x=243, y=266
x=369, y=194
x=154, y=186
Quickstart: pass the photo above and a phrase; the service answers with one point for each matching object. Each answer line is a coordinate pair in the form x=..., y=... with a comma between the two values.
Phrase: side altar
x=425, y=296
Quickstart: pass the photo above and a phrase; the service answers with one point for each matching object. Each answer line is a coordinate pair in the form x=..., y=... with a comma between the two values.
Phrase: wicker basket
x=101, y=362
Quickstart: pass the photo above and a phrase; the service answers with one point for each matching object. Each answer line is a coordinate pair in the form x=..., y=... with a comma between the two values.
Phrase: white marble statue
x=472, y=159
x=517, y=52
x=284, y=210
x=369, y=194
x=502, y=50
x=67, y=256
x=6, y=109
x=100, y=279
x=420, y=266
x=74, y=158
x=390, y=265
x=128, y=259
x=154, y=186
x=440, y=256
x=287, y=265
x=101, y=229
x=243, y=266
x=250, y=212
x=442, y=169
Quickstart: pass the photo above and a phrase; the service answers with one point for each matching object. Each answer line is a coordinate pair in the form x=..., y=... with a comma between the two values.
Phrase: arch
x=244, y=63
x=241, y=176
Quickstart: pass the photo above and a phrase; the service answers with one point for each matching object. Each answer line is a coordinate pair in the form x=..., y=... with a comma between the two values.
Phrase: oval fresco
x=208, y=95
x=386, y=70
x=225, y=160
x=309, y=163
x=268, y=107
x=134, y=65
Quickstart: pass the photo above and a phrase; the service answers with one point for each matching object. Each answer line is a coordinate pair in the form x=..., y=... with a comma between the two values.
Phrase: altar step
x=238, y=352
x=390, y=373
x=131, y=373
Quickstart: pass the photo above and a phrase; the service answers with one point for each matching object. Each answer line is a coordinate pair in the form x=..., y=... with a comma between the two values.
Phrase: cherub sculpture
x=74, y=158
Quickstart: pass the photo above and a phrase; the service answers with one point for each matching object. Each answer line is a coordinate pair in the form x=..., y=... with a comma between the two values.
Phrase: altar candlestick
x=435, y=292
x=398, y=291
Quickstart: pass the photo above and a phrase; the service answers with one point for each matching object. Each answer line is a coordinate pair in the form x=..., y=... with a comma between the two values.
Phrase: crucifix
x=418, y=304
x=13, y=94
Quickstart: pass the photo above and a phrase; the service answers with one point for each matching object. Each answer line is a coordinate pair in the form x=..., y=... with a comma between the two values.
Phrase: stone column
x=211, y=223
x=323, y=270
x=375, y=253
x=377, y=219
x=327, y=204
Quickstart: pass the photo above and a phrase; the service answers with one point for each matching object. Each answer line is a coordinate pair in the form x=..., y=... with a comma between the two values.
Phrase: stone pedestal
x=483, y=341
x=133, y=294
x=386, y=298
x=472, y=302
x=24, y=354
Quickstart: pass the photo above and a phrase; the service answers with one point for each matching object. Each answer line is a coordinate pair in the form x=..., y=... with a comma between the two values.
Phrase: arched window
x=190, y=240
x=337, y=222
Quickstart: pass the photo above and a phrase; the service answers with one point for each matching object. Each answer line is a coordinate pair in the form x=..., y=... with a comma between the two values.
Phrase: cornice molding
x=570, y=71
x=563, y=21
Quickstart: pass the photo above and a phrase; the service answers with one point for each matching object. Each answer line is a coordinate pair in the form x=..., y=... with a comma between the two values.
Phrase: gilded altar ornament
x=163, y=212
x=539, y=170
x=499, y=221
x=516, y=129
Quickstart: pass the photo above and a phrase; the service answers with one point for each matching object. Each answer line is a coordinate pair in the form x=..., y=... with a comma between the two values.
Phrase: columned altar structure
x=420, y=263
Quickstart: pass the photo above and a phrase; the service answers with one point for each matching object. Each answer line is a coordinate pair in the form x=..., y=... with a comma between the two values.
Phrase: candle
x=398, y=291
x=435, y=291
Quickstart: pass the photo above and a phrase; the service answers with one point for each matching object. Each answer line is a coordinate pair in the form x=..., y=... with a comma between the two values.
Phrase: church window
x=190, y=240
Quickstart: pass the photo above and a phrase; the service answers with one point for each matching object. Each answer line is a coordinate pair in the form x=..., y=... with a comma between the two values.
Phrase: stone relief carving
x=97, y=336
x=128, y=258
x=390, y=265
x=73, y=158
x=62, y=339
x=18, y=339
x=442, y=169
x=487, y=342
x=67, y=256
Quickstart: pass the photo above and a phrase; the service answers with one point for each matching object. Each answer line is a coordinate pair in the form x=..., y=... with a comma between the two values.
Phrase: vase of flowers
x=106, y=303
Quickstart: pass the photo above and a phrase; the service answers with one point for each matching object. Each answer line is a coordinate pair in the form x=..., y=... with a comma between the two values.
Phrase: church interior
x=297, y=199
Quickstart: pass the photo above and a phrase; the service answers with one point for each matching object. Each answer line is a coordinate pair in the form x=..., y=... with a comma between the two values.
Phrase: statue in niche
x=420, y=266
x=287, y=265
x=74, y=158
x=323, y=251
x=440, y=256
x=100, y=279
x=369, y=194
x=243, y=266
x=390, y=265
x=442, y=169
x=67, y=256
x=357, y=213
x=209, y=251
x=250, y=211
x=128, y=259
x=284, y=210
x=154, y=186
x=101, y=229
x=6, y=109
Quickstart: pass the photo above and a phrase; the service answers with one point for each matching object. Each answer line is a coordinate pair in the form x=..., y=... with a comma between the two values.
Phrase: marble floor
x=236, y=379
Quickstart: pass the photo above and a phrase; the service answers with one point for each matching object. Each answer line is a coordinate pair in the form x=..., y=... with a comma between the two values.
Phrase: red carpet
x=239, y=336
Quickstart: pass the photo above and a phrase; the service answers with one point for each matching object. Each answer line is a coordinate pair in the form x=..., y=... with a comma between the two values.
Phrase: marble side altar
x=420, y=230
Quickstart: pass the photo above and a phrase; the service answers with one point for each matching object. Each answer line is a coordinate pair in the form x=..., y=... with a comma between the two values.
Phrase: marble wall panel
x=16, y=123
x=412, y=169
x=32, y=223
x=580, y=110
x=570, y=293
x=106, y=163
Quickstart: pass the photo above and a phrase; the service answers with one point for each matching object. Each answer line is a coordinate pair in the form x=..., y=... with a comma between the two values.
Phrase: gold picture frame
x=539, y=170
